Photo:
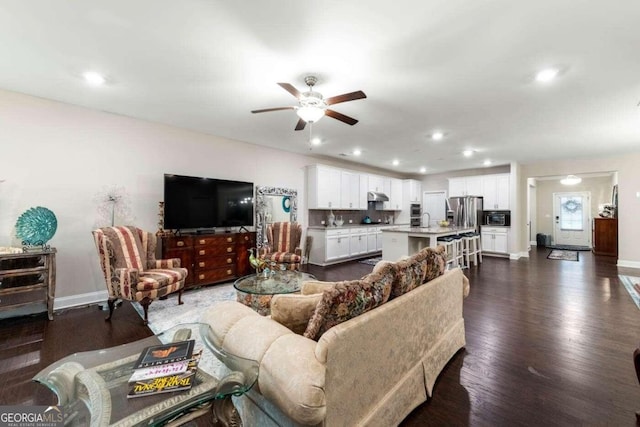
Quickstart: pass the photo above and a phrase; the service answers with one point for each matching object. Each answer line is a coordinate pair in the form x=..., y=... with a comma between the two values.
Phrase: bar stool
x=458, y=246
x=449, y=249
x=472, y=248
x=453, y=249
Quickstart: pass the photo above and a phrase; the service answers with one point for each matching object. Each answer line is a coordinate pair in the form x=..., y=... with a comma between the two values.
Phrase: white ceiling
x=463, y=67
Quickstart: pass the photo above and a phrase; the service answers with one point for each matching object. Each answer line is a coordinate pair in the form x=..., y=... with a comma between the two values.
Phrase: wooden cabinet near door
x=210, y=258
x=605, y=236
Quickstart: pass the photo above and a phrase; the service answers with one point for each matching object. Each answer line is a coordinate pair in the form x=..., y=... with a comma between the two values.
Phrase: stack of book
x=164, y=368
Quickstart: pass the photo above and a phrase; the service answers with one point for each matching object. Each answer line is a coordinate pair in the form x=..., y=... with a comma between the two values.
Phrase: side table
x=27, y=282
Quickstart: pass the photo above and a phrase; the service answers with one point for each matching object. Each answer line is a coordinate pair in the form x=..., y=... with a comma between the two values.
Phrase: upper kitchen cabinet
x=332, y=188
x=495, y=190
x=393, y=189
x=411, y=192
x=376, y=183
x=465, y=186
x=352, y=195
x=324, y=187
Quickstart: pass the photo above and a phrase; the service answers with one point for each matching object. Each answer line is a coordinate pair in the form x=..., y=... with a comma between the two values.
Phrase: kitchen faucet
x=428, y=220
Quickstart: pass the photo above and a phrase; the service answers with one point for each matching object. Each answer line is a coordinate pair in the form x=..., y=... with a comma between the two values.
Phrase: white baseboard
x=533, y=243
x=62, y=303
x=630, y=264
x=518, y=255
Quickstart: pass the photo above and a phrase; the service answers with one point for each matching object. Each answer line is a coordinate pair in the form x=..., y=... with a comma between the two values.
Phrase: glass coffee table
x=92, y=386
x=256, y=290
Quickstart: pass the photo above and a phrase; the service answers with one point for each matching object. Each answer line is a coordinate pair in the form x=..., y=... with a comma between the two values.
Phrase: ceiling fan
x=313, y=106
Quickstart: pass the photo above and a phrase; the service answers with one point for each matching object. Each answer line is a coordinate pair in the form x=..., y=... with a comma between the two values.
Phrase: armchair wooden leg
x=111, y=302
x=146, y=301
x=180, y=296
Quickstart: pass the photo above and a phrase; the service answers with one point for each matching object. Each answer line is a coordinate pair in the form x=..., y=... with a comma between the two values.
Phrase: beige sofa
x=372, y=369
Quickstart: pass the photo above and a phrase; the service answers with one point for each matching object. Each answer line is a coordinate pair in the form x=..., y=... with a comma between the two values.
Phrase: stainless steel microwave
x=502, y=218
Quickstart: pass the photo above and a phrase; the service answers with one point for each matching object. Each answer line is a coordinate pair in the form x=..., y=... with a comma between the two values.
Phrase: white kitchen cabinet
x=495, y=190
x=495, y=239
x=364, y=189
x=473, y=185
x=378, y=239
x=349, y=190
x=337, y=244
x=357, y=241
x=411, y=192
x=465, y=186
x=324, y=187
x=334, y=245
x=457, y=187
x=372, y=244
x=376, y=183
x=393, y=190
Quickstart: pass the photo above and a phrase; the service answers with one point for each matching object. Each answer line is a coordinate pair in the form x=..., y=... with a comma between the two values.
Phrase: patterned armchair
x=130, y=268
x=283, y=245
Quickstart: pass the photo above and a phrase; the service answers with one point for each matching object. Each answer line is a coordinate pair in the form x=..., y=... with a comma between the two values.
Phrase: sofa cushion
x=350, y=299
x=294, y=311
x=315, y=287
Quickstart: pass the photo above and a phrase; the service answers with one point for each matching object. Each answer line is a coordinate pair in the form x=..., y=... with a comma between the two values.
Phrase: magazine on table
x=167, y=383
x=160, y=371
x=163, y=354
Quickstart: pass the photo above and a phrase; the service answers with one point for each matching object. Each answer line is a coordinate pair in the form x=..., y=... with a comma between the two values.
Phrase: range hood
x=373, y=196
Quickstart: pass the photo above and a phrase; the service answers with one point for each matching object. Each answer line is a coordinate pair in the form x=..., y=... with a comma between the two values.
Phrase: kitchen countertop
x=428, y=230
x=373, y=224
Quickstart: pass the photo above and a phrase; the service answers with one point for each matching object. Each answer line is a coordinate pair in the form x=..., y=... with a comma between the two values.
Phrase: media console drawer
x=210, y=258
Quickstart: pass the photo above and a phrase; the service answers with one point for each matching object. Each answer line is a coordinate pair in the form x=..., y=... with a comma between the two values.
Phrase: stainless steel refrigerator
x=465, y=211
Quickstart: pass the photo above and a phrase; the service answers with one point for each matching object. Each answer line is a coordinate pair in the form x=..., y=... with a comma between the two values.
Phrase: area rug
x=563, y=255
x=371, y=261
x=632, y=285
x=163, y=314
x=570, y=247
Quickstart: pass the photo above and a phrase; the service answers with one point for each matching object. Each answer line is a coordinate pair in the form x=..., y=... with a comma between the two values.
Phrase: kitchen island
x=403, y=241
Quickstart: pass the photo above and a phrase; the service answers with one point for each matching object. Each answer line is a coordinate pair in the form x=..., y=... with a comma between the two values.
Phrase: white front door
x=571, y=217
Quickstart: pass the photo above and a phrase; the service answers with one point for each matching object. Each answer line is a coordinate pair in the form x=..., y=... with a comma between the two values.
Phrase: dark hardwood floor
x=548, y=343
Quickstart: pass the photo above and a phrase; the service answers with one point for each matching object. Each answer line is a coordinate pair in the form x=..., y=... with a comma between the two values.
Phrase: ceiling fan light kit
x=310, y=114
x=312, y=105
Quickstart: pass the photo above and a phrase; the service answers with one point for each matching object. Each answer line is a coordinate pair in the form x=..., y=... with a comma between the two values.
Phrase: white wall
x=61, y=157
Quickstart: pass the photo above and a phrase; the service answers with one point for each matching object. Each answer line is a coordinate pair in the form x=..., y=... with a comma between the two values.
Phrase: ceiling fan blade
x=266, y=110
x=339, y=116
x=301, y=124
x=292, y=90
x=345, y=97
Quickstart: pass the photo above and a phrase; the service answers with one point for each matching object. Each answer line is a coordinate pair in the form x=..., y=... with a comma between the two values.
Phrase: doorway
x=571, y=218
x=435, y=204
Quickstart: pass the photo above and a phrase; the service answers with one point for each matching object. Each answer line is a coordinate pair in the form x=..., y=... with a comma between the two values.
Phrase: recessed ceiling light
x=487, y=162
x=437, y=136
x=467, y=153
x=423, y=169
x=316, y=141
x=396, y=162
x=547, y=75
x=93, y=78
x=357, y=152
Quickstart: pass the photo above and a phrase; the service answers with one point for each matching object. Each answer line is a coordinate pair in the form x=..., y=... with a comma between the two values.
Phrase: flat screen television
x=198, y=203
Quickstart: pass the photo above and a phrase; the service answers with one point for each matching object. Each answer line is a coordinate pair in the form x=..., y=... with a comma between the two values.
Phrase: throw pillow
x=346, y=301
x=420, y=268
x=294, y=311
